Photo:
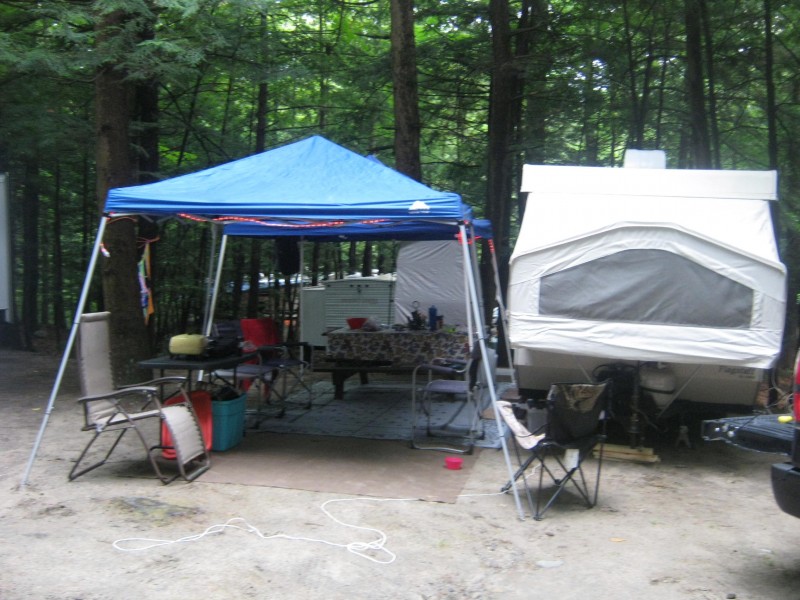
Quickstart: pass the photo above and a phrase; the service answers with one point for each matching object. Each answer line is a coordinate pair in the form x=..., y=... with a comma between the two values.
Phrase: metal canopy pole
x=211, y=289
x=215, y=290
x=212, y=297
x=73, y=332
x=487, y=369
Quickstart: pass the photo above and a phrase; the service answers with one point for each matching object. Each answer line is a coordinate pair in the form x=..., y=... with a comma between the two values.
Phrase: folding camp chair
x=253, y=373
x=574, y=426
x=460, y=383
x=106, y=408
x=282, y=366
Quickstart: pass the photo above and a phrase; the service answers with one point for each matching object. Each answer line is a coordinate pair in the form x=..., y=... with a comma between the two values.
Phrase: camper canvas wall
x=647, y=264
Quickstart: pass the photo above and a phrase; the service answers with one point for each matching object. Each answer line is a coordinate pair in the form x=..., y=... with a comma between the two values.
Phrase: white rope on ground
x=362, y=549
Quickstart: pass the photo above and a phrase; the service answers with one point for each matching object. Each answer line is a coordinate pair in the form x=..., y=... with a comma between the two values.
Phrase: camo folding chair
x=574, y=427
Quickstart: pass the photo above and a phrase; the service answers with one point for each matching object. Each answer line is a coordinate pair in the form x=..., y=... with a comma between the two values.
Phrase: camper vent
x=645, y=159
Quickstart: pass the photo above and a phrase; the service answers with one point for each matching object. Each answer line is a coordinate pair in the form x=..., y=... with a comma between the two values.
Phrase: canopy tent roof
x=341, y=231
x=310, y=180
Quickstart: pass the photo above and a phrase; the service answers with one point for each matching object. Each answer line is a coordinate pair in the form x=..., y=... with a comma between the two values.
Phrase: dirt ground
x=701, y=524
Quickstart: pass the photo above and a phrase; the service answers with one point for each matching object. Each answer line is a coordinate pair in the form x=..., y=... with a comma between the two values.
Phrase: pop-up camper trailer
x=673, y=274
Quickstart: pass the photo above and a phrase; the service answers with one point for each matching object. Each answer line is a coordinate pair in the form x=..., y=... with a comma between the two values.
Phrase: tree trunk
x=237, y=277
x=406, y=101
x=315, y=264
x=534, y=43
x=714, y=142
x=636, y=135
x=30, y=252
x=791, y=252
x=113, y=99
x=59, y=311
x=769, y=84
x=698, y=120
x=261, y=144
x=503, y=111
x=254, y=278
x=366, y=260
x=147, y=114
x=501, y=128
x=352, y=260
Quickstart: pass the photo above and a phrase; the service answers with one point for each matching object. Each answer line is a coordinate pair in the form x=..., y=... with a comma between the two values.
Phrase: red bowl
x=356, y=322
x=453, y=462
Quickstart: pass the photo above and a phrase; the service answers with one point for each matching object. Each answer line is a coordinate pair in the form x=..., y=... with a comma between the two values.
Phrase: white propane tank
x=658, y=380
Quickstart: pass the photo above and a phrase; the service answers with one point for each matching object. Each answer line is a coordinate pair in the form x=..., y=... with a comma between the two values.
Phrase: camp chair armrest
x=458, y=364
x=270, y=351
x=179, y=379
x=156, y=384
x=295, y=344
x=127, y=391
x=283, y=350
x=445, y=366
x=270, y=348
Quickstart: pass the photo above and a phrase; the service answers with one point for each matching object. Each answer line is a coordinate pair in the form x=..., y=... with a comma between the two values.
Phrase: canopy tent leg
x=212, y=293
x=208, y=322
x=73, y=332
x=487, y=369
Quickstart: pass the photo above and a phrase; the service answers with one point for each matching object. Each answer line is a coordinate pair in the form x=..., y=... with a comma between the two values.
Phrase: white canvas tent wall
x=431, y=273
x=645, y=265
x=311, y=183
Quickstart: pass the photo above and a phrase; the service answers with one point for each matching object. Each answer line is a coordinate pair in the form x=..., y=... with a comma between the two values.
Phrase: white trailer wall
x=648, y=265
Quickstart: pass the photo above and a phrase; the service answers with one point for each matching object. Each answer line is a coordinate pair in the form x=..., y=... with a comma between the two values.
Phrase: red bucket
x=201, y=402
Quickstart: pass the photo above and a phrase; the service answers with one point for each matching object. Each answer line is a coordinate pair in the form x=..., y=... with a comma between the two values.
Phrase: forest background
x=455, y=93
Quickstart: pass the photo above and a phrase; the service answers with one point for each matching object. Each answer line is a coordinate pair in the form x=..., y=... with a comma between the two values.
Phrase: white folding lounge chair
x=106, y=407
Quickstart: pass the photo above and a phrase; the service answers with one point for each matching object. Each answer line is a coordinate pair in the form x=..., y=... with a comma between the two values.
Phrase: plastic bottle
x=432, y=318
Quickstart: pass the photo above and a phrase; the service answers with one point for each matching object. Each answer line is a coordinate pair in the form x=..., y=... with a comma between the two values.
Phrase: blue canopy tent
x=313, y=180
x=312, y=184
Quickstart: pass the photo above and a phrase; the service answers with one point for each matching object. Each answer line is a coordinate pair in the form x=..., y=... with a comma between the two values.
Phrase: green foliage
x=594, y=78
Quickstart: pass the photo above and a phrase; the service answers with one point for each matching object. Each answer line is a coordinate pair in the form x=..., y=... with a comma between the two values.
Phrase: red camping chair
x=287, y=361
x=245, y=374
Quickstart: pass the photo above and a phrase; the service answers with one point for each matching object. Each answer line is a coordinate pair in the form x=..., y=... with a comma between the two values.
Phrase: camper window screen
x=647, y=286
